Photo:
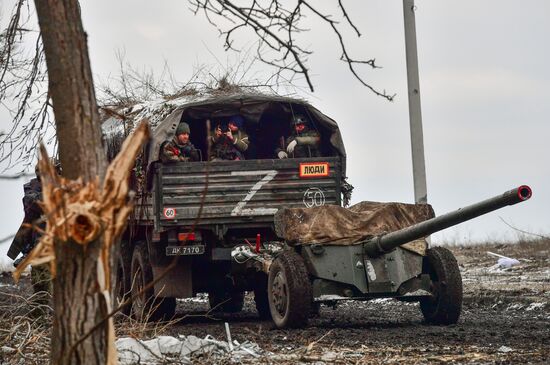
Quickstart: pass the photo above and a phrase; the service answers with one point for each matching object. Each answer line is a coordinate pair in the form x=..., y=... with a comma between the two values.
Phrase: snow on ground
x=166, y=349
x=199, y=298
x=6, y=264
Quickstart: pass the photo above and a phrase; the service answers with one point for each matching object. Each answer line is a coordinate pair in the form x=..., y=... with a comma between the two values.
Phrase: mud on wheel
x=445, y=305
x=289, y=291
x=145, y=305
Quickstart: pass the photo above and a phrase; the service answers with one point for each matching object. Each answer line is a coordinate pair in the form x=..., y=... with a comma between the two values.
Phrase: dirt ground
x=505, y=320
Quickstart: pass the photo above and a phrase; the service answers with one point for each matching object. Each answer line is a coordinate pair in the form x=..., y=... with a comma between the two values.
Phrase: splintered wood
x=80, y=212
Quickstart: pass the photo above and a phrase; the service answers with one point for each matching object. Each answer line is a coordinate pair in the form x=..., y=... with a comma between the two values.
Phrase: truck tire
x=261, y=298
x=289, y=291
x=145, y=306
x=444, y=307
x=231, y=302
x=123, y=282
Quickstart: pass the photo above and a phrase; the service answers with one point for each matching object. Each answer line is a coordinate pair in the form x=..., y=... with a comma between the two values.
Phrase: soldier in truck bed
x=180, y=147
x=303, y=142
x=229, y=142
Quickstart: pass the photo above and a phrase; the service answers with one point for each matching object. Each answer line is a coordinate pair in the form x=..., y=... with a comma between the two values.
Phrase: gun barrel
x=386, y=243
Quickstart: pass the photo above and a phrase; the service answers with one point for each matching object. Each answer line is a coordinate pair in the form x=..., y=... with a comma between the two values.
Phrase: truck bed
x=240, y=193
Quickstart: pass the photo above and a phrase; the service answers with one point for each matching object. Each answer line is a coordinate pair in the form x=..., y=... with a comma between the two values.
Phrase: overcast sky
x=485, y=88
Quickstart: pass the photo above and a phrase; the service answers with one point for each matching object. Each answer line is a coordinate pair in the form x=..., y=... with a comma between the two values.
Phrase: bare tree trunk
x=78, y=305
x=71, y=89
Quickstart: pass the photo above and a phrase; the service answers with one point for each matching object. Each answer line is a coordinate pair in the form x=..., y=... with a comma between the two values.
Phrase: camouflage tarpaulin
x=335, y=225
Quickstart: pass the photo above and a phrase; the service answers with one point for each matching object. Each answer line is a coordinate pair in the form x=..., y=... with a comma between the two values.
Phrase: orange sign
x=314, y=169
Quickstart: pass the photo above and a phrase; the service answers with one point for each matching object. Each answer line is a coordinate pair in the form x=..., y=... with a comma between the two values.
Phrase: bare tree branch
x=276, y=26
x=524, y=232
x=22, y=89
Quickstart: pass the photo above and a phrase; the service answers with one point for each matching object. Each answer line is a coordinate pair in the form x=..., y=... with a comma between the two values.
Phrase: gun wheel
x=289, y=291
x=445, y=305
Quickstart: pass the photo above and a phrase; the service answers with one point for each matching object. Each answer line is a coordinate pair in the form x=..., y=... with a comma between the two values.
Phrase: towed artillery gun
x=377, y=267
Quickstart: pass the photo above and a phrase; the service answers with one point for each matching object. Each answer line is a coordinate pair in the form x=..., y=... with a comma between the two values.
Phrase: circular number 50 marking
x=169, y=213
x=314, y=197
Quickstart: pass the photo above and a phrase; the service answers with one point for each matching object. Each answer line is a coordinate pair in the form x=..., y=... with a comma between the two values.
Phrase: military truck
x=190, y=216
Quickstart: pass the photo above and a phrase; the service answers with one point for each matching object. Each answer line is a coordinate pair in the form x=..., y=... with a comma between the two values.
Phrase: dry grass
x=25, y=327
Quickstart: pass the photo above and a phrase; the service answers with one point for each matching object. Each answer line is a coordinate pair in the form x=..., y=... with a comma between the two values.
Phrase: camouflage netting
x=335, y=225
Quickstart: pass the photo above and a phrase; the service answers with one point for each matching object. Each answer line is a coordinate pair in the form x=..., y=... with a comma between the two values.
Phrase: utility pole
x=415, y=112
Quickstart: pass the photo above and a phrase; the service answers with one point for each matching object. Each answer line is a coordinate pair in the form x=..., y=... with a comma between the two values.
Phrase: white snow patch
x=505, y=349
x=200, y=298
x=112, y=126
x=507, y=263
x=383, y=301
x=167, y=349
x=156, y=350
x=6, y=264
x=535, y=306
x=331, y=297
x=516, y=306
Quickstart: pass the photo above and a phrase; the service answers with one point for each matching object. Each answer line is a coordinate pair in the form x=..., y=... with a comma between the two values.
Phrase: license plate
x=184, y=250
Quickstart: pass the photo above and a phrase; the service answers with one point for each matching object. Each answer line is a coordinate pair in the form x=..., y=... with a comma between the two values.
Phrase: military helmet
x=300, y=119
x=183, y=128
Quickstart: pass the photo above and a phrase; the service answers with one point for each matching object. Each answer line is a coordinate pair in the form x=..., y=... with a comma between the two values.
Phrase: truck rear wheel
x=261, y=298
x=445, y=305
x=289, y=291
x=228, y=302
x=145, y=306
x=123, y=282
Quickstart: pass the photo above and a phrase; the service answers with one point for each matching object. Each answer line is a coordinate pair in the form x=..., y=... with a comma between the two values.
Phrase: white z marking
x=239, y=209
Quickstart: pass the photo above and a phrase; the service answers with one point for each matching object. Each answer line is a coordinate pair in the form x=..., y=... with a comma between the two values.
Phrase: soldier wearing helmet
x=180, y=147
x=303, y=142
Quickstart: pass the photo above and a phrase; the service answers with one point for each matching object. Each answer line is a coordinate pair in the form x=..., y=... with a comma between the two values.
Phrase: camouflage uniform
x=25, y=240
x=308, y=144
x=225, y=149
x=174, y=152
